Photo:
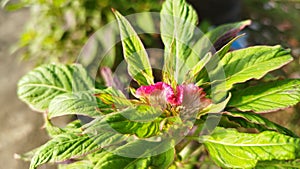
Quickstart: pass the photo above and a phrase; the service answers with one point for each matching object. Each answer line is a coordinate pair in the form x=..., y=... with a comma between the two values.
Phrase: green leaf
x=214, y=71
x=217, y=38
x=212, y=63
x=72, y=146
x=141, y=120
x=111, y=96
x=193, y=72
x=225, y=33
x=38, y=87
x=63, y=148
x=3, y=3
x=178, y=21
x=144, y=148
x=253, y=63
x=218, y=107
x=267, y=97
x=26, y=156
x=83, y=164
x=231, y=149
x=169, y=66
x=71, y=127
x=163, y=160
x=110, y=160
x=107, y=160
x=134, y=52
x=77, y=103
x=222, y=52
x=252, y=120
x=279, y=164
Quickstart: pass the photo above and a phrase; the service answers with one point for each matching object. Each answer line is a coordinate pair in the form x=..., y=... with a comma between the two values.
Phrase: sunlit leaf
x=178, y=21
x=83, y=164
x=253, y=63
x=111, y=96
x=38, y=87
x=231, y=149
x=78, y=103
x=268, y=96
x=134, y=53
x=63, y=148
x=72, y=146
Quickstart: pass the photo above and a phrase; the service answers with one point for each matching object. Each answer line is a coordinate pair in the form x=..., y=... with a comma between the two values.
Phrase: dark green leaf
x=107, y=160
x=163, y=160
x=252, y=120
x=222, y=52
x=144, y=148
x=110, y=160
x=141, y=120
x=225, y=33
x=294, y=164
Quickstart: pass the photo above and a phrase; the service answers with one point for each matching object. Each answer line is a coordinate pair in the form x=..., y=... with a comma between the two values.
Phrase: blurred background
x=33, y=32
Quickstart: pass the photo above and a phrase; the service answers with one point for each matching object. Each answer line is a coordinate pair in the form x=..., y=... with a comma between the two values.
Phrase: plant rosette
x=200, y=113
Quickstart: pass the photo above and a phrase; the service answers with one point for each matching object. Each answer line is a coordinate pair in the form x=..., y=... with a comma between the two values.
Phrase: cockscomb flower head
x=186, y=96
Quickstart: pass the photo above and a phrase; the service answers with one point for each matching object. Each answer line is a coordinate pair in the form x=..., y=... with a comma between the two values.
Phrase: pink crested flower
x=174, y=99
x=156, y=93
x=188, y=96
x=147, y=90
x=193, y=101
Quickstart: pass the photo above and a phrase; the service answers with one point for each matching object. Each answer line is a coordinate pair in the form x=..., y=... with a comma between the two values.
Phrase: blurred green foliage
x=58, y=29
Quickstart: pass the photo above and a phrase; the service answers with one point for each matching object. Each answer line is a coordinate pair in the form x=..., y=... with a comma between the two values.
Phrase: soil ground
x=20, y=127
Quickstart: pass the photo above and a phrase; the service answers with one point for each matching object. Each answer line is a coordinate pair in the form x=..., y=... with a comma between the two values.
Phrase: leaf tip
x=17, y=156
x=248, y=22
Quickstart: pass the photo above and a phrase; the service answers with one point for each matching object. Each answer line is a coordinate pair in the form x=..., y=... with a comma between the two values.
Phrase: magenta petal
x=172, y=98
x=189, y=96
x=143, y=90
x=148, y=90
